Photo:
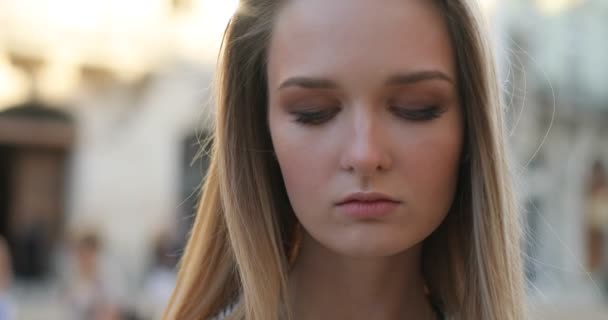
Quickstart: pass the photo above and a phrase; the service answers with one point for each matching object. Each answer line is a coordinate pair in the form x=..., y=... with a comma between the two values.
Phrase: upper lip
x=366, y=197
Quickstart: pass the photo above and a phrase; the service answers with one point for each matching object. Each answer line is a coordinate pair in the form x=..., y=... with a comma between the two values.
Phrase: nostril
x=366, y=160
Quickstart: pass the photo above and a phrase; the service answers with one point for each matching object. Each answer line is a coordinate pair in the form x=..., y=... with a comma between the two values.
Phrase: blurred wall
x=126, y=174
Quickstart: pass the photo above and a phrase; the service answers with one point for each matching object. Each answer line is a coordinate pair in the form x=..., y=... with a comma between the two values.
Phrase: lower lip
x=368, y=209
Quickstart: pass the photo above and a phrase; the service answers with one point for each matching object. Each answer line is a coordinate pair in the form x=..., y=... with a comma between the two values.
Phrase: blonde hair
x=242, y=236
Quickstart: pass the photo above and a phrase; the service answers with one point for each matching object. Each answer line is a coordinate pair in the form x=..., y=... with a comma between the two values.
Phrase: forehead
x=359, y=39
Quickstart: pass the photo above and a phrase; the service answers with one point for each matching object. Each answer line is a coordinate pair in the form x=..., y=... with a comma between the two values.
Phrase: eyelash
x=315, y=117
x=424, y=114
x=418, y=115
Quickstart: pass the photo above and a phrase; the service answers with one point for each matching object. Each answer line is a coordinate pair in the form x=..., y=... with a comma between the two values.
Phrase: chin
x=365, y=241
x=371, y=247
x=372, y=253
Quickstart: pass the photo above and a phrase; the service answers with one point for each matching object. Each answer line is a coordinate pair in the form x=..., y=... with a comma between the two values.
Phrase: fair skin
x=363, y=99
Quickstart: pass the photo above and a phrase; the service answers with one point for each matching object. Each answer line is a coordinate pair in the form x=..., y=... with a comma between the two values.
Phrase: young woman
x=358, y=169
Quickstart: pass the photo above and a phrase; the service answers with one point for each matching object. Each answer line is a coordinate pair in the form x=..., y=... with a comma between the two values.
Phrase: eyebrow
x=394, y=80
x=409, y=78
x=309, y=83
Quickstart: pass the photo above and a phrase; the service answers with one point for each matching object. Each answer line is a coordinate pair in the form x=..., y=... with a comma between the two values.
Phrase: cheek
x=305, y=162
x=432, y=172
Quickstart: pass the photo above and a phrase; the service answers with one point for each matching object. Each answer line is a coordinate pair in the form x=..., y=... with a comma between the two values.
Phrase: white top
x=224, y=313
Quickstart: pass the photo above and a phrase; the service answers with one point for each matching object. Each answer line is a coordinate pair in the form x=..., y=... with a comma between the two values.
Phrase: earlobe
x=296, y=241
x=466, y=157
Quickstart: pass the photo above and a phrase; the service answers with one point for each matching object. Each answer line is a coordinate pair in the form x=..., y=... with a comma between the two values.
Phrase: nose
x=365, y=151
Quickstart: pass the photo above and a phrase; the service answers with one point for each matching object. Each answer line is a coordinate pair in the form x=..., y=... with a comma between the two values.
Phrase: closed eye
x=418, y=114
x=315, y=117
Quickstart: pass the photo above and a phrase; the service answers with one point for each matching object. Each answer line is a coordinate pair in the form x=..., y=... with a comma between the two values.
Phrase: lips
x=367, y=197
x=367, y=205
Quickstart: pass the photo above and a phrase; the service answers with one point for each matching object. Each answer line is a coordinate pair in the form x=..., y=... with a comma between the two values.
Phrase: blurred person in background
x=7, y=306
x=31, y=250
x=160, y=280
x=597, y=223
x=358, y=169
x=89, y=288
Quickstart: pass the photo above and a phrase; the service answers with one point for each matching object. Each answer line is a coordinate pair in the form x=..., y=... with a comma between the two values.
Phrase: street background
x=103, y=105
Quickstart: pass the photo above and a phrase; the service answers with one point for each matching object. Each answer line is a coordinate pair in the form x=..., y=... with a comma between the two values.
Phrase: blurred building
x=554, y=71
x=102, y=106
x=35, y=143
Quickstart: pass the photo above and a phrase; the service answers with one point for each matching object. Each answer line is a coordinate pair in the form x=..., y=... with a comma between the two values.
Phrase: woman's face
x=365, y=121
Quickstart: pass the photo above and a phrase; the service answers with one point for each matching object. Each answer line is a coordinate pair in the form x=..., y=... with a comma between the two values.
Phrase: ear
x=296, y=241
x=466, y=157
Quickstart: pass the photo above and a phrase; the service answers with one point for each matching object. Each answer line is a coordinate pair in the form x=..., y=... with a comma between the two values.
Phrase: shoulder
x=224, y=312
x=438, y=310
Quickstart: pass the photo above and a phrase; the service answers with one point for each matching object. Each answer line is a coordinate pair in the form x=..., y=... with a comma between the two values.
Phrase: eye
x=315, y=117
x=418, y=114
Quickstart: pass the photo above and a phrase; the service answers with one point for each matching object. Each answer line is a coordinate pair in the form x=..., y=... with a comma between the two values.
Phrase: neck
x=326, y=285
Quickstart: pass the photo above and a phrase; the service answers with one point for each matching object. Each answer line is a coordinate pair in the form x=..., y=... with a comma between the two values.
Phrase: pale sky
x=127, y=36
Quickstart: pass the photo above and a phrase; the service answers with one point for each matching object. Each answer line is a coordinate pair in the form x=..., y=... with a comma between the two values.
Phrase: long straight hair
x=239, y=246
